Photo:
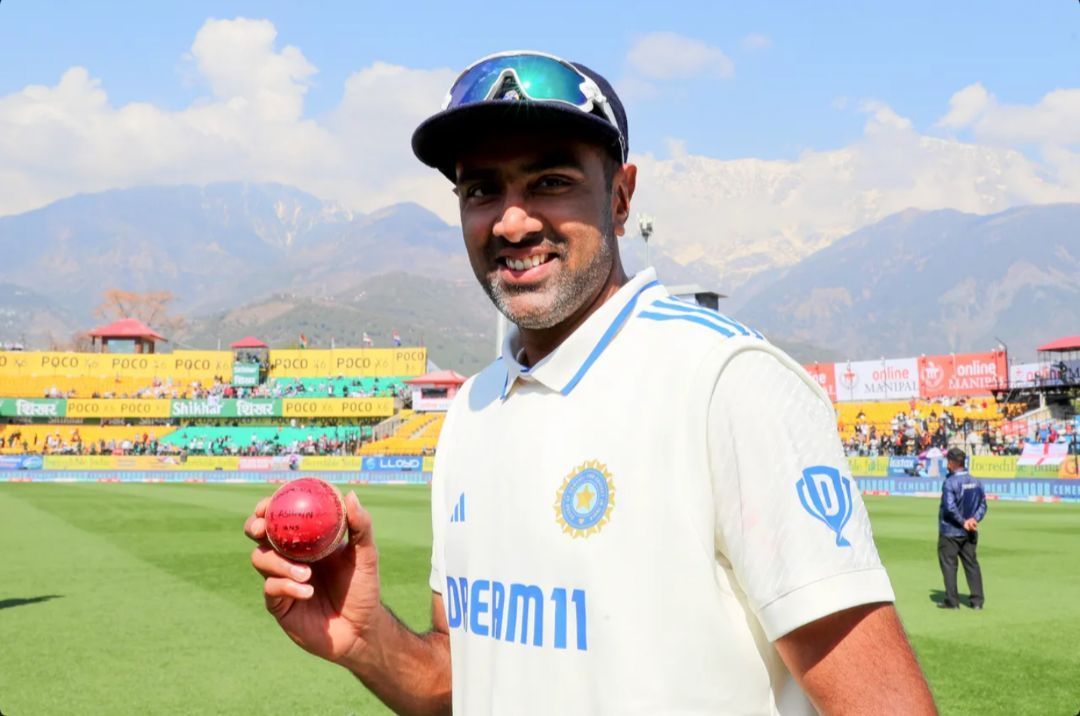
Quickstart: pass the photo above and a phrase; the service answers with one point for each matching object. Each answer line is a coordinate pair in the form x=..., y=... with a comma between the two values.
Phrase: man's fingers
x=269, y=564
x=359, y=521
x=255, y=528
x=277, y=588
x=255, y=525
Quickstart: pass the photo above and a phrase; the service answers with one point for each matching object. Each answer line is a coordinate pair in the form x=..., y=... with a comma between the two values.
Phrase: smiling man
x=642, y=507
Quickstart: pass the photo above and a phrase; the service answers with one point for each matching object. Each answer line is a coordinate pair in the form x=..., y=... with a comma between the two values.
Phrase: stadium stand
x=95, y=386
x=77, y=439
x=294, y=402
x=417, y=434
x=268, y=440
x=979, y=424
x=333, y=387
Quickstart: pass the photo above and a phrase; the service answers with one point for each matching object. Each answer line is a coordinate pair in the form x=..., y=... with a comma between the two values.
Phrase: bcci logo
x=584, y=502
x=827, y=497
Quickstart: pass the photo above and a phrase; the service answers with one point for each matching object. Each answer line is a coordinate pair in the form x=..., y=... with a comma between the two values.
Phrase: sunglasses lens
x=541, y=78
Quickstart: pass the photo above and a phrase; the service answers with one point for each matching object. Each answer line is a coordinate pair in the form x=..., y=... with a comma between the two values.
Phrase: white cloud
x=68, y=138
x=756, y=41
x=667, y=55
x=882, y=117
x=966, y=106
x=1053, y=121
x=238, y=59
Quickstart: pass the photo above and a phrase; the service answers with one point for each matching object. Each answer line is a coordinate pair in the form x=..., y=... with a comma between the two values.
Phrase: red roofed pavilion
x=127, y=329
x=248, y=342
x=1061, y=345
x=435, y=391
x=439, y=377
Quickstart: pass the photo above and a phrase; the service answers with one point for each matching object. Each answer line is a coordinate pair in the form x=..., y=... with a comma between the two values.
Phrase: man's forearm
x=858, y=661
x=409, y=672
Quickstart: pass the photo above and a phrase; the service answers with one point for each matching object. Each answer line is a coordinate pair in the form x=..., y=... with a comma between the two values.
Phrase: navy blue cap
x=438, y=139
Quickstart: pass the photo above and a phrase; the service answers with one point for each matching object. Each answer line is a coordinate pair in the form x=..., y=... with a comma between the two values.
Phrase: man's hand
x=329, y=607
x=332, y=609
x=971, y=524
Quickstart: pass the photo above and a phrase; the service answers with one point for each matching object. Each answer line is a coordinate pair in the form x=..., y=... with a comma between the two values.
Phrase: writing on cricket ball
x=305, y=520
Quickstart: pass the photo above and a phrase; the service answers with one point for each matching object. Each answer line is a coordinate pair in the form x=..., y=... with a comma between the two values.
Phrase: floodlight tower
x=645, y=226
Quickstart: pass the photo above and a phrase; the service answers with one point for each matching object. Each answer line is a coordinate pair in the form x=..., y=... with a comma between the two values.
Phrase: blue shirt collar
x=564, y=367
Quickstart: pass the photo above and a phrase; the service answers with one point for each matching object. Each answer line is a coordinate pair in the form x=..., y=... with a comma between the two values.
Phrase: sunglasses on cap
x=529, y=76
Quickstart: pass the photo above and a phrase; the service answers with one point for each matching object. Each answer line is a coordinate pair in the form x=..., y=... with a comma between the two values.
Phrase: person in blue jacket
x=963, y=507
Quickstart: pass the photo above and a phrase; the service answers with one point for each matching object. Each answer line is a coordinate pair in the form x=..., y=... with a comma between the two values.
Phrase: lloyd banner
x=824, y=374
x=963, y=374
x=393, y=463
x=877, y=379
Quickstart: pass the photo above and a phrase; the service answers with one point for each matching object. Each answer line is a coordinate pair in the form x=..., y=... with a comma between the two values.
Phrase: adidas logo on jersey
x=459, y=509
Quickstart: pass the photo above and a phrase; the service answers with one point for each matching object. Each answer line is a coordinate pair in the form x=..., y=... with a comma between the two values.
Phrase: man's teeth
x=522, y=264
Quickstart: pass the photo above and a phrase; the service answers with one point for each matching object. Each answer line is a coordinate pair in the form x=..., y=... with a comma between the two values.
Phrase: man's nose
x=516, y=224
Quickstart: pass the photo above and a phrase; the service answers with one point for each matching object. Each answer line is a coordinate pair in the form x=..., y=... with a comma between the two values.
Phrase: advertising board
x=877, y=379
x=962, y=374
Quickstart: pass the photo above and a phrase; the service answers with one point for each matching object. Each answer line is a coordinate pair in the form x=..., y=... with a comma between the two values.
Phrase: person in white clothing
x=642, y=506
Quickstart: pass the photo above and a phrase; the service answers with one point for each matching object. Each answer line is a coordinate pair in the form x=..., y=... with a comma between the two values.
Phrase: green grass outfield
x=138, y=599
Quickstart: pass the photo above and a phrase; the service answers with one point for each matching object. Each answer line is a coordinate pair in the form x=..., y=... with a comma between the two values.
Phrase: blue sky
x=781, y=99
x=762, y=131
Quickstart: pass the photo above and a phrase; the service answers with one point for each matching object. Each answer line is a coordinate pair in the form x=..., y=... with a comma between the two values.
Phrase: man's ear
x=622, y=191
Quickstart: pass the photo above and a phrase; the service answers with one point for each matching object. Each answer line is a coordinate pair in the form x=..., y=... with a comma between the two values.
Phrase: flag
x=303, y=341
x=397, y=338
x=367, y=339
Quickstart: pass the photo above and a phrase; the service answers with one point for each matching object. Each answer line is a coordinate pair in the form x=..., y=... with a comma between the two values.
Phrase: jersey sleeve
x=789, y=517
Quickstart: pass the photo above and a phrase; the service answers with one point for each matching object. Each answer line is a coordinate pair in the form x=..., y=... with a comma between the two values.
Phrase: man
x=642, y=507
x=963, y=506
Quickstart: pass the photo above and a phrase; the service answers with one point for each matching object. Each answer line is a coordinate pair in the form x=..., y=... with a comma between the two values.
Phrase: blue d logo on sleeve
x=826, y=495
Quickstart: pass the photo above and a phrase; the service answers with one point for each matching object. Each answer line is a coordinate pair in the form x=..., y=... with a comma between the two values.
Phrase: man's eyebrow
x=546, y=162
x=555, y=160
x=477, y=174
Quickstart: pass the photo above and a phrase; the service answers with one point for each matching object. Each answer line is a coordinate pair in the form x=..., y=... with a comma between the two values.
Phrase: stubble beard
x=568, y=291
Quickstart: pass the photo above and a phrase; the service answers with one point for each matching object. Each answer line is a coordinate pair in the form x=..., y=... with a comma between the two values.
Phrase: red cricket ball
x=305, y=519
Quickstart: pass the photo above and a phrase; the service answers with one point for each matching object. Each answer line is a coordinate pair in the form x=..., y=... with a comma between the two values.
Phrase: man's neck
x=537, y=344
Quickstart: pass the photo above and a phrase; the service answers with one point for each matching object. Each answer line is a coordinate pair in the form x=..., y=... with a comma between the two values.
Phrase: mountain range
x=276, y=262
x=931, y=282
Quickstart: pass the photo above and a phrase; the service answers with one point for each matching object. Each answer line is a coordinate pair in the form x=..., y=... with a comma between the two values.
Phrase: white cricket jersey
x=627, y=526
